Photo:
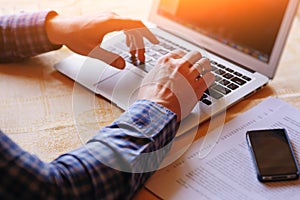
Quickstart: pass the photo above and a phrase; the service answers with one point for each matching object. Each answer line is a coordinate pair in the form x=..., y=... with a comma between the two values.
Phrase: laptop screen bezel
x=225, y=51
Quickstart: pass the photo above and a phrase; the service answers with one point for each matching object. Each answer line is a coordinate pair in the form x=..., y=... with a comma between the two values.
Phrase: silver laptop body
x=244, y=38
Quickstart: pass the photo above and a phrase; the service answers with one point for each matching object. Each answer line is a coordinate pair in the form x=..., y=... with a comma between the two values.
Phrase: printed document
x=227, y=171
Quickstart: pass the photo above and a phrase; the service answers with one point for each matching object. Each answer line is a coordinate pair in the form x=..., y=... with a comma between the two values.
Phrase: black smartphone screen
x=273, y=155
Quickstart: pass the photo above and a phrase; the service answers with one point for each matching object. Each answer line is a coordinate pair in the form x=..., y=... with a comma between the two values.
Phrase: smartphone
x=273, y=155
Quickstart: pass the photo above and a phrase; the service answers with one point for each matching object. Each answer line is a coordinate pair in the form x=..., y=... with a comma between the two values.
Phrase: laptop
x=243, y=40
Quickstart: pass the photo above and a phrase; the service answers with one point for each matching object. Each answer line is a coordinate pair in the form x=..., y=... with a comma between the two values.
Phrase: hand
x=175, y=83
x=83, y=35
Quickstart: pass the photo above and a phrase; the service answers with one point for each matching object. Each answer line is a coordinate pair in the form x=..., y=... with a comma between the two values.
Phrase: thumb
x=108, y=57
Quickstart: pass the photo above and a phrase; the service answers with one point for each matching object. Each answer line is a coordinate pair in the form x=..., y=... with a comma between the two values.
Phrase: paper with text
x=227, y=172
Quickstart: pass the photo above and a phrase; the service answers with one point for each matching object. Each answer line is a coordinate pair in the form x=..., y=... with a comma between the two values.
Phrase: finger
x=201, y=67
x=204, y=83
x=141, y=55
x=138, y=46
x=127, y=38
x=128, y=24
x=192, y=57
x=119, y=63
x=139, y=43
x=130, y=42
x=131, y=45
x=176, y=54
x=138, y=26
x=149, y=35
x=195, y=74
x=188, y=60
x=108, y=57
x=132, y=51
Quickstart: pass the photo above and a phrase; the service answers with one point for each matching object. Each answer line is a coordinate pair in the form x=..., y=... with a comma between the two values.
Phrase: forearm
x=136, y=144
x=24, y=35
x=113, y=165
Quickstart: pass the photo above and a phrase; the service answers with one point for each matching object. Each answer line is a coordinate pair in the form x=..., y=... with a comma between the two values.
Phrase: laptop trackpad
x=121, y=88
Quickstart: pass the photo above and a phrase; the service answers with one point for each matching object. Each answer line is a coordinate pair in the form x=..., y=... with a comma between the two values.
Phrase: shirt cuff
x=24, y=35
x=33, y=25
x=147, y=118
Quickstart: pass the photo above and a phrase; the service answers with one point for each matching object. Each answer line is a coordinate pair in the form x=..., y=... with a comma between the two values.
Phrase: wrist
x=52, y=28
x=168, y=105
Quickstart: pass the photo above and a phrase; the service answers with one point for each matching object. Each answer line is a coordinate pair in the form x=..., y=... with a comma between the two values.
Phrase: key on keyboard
x=227, y=79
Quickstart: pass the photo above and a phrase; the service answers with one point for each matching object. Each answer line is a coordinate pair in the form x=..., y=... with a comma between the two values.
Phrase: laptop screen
x=249, y=26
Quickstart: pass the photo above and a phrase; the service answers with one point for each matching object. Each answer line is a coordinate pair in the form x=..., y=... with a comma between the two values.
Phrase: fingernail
x=142, y=57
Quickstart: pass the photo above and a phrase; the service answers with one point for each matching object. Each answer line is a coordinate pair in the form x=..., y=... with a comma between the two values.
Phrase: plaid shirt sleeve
x=23, y=35
x=114, y=164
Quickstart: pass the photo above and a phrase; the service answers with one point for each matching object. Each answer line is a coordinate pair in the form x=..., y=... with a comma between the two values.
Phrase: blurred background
x=78, y=7
x=70, y=7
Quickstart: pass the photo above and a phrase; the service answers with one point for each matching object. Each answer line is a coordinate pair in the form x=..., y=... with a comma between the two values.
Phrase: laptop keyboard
x=227, y=79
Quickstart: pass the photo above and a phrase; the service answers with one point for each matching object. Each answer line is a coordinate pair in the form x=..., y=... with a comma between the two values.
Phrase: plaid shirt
x=23, y=35
x=112, y=165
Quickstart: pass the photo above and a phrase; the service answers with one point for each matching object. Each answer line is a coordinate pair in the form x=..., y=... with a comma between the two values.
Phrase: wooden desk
x=36, y=104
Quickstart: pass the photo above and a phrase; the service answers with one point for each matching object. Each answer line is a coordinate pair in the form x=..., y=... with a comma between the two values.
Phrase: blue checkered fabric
x=114, y=164
x=23, y=35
